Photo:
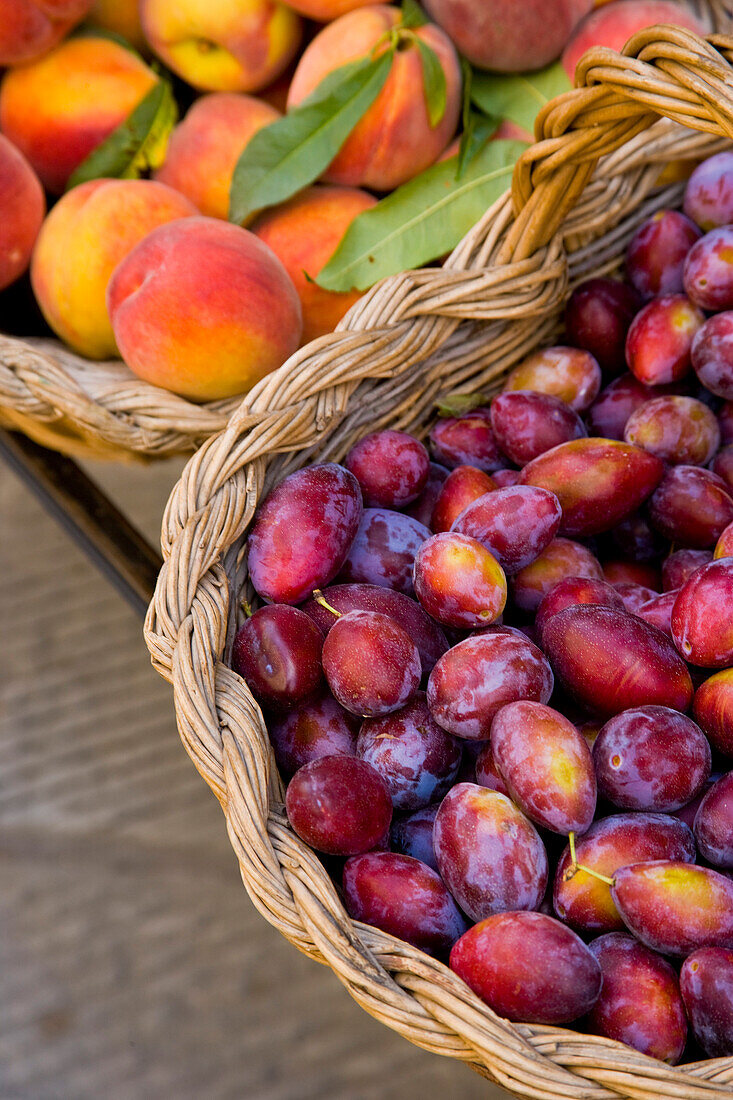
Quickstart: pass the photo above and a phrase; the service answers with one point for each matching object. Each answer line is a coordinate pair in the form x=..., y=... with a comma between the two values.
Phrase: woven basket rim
x=308, y=410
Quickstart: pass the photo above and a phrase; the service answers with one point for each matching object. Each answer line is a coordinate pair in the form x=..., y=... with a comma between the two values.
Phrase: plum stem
x=321, y=599
x=246, y=607
x=575, y=866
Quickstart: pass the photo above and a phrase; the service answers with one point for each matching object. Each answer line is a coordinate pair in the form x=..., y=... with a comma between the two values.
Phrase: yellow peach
x=204, y=148
x=61, y=107
x=82, y=241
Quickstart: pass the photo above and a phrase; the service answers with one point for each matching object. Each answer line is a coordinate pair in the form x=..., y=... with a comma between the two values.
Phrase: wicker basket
x=499, y=296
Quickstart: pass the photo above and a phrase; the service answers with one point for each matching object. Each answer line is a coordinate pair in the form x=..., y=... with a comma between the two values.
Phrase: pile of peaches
x=151, y=268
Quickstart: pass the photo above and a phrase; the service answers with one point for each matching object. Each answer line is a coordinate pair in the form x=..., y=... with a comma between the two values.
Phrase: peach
x=85, y=236
x=505, y=35
x=222, y=45
x=304, y=234
x=57, y=110
x=323, y=11
x=29, y=28
x=203, y=308
x=23, y=205
x=394, y=140
x=121, y=17
x=613, y=26
x=204, y=149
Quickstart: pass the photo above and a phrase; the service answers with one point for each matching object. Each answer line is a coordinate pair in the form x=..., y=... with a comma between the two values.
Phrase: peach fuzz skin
x=60, y=108
x=23, y=205
x=323, y=11
x=394, y=140
x=222, y=45
x=204, y=148
x=614, y=25
x=203, y=308
x=120, y=17
x=84, y=237
x=29, y=28
x=304, y=233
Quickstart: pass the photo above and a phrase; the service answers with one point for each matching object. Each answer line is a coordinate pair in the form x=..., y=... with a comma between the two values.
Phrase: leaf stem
x=321, y=599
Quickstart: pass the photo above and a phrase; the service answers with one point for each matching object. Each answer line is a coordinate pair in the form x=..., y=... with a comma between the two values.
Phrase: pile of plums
x=499, y=676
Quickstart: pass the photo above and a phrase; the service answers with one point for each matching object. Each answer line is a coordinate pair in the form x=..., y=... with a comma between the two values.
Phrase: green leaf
x=434, y=83
x=290, y=153
x=479, y=129
x=519, y=96
x=138, y=143
x=466, y=85
x=412, y=14
x=420, y=221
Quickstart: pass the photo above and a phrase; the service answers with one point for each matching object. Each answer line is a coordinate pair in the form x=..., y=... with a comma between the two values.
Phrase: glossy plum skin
x=658, y=612
x=610, y=661
x=302, y=532
x=712, y=708
x=679, y=430
x=722, y=465
x=427, y=635
x=371, y=664
x=660, y=338
x=466, y=440
x=656, y=255
x=597, y=481
x=638, y=573
x=422, y=508
x=526, y=424
x=516, y=524
x=702, y=623
x=413, y=835
x=489, y=854
x=458, y=581
x=403, y=897
x=572, y=591
x=709, y=270
x=481, y=674
x=528, y=967
x=706, y=980
x=570, y=374
x=712, y=354
x=674, y=908
x=278, y=652
x=633, y=596
x=314, y=729
x=562, y=558
x=637, y=541
x=709, y=192
x=640, y=1002
x=724, y=545
x=462, y=486
x=691, y=507
x=651, y=758
x=585, y=902
x=415, y=757
x=680, y=565
x=597, y=318
x=487, y=771
x=546, y=765
x=614, y=405
x=383, y=550
x=339, y=805
x=391, y=468
x=725, y=419
x=713, y=826
x=505, y=478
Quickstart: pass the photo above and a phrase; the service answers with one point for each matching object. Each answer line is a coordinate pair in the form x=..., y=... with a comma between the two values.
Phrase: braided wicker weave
x=568, y=217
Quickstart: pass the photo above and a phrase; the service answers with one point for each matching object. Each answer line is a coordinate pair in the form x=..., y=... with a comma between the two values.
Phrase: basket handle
x=664, y=71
